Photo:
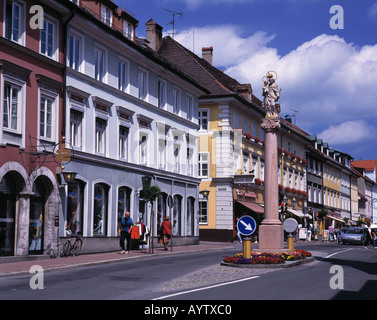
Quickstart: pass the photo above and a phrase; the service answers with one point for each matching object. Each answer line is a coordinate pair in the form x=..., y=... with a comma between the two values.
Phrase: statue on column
x=271, y=94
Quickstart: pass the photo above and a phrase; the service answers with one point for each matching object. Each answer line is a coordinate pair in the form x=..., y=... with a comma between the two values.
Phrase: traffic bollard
x=291, y=243
x=246, y=248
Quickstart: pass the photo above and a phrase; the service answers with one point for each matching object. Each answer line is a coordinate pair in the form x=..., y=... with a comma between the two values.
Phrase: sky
x=325, y=57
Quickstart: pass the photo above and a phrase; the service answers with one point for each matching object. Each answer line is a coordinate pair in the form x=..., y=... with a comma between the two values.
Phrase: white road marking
x=205, y=288
x=329, y=256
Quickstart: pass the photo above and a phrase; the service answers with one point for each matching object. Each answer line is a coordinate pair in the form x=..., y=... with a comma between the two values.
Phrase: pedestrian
x=166, y=232
x=374, y=239
x=126, y=224
x=238, y=232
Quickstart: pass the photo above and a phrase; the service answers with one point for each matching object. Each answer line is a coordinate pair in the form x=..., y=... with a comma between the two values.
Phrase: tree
x=321, y=214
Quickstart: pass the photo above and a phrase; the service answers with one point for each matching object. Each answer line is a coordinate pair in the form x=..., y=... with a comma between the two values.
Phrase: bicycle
x=69, y=248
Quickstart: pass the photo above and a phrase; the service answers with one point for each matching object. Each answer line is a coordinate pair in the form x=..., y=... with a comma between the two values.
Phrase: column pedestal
x=271, y=235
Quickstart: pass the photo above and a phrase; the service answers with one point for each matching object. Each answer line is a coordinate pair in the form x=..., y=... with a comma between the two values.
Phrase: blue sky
x=328, y=76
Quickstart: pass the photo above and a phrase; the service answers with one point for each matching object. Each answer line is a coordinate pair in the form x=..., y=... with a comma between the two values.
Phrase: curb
x=108, y=261
x=287, y=264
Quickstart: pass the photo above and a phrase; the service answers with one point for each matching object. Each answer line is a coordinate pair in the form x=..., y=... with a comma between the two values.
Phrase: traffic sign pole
x=246, y=225
x=246, y=247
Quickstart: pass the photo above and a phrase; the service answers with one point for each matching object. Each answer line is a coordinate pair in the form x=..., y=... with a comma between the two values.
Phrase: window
x=246, y=163
x=106, y=15
x=49, y=38
x=74, y=59
x=123, y=143
x=176, y=101
x=143, y=149
x=177, y=158
x=143, y=84
x=76, y=128
x=11, y=106
x=235, y=120
x=245, y=127
x=45, y=118
x=203, y=211
x=162, y=153
x=203, y=164
x=203, y=120
x=99, y=64
x=190, y=107
x=14, y=21
x=122, y=75
x=189, y=163
x=100, y=143
x=128, y=30
x=100, y=209
x=161, y=94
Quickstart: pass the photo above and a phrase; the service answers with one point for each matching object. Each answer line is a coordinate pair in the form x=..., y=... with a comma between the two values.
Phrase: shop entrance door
x=36, y=222
x=7, y=216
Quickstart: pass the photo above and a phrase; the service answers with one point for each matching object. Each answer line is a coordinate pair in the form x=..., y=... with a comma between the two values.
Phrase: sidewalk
x=23, y=267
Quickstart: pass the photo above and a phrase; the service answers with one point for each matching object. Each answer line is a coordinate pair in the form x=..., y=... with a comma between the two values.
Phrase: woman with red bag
x=166, y=232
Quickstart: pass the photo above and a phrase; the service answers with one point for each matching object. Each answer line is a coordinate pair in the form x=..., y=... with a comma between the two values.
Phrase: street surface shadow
x=367, y=267
x=367, y=292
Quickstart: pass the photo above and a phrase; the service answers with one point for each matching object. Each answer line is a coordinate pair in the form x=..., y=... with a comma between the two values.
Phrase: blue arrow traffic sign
x=246, y=225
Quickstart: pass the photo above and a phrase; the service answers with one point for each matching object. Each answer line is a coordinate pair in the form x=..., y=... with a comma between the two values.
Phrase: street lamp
x=205, y=193
x=69, y=176
x=146, y=181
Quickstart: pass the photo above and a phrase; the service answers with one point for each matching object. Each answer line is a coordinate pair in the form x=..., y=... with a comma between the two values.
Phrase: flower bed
x=268, y=258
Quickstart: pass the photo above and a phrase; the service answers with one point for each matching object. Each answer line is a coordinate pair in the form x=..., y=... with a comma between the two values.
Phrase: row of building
x=82, y=94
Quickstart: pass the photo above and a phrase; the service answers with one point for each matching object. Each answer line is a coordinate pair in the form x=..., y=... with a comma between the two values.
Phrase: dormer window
x=106, y=15
x=128, y=30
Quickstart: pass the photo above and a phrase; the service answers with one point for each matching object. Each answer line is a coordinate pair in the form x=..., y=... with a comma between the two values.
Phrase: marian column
x=271, y=235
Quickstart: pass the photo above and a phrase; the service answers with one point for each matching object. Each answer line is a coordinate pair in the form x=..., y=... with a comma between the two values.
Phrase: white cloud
x=326, y=79
x=356, y=131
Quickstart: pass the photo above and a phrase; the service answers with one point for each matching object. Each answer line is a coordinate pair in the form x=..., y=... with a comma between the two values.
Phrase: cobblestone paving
x=214, y=275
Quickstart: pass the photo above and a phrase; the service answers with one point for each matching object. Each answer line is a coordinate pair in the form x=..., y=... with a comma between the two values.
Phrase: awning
x=252, y=206
x=335, y=218
x=296, y=213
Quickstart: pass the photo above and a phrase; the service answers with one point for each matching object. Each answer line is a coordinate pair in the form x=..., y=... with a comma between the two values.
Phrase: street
x=199, y=276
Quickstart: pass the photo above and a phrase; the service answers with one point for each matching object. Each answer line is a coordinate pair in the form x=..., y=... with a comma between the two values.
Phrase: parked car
x=342, y=232
x=356, y=235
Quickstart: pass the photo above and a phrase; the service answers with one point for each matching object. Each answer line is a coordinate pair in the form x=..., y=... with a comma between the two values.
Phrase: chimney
x=207, y=54
x=154, y=35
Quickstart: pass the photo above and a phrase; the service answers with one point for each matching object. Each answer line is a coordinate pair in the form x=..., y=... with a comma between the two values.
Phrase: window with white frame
x=49, y=38
x=74, y=51
x=143, y=144
x=76, y=118
x=290, y=178
x=203, y=119
x=162, y=143
x=161, y=93
x=190, y=107
x=261, y=169
x=189, y=161
x=11, y=107
x=123, y=142
x=106, y=15
x=123, y=78
x=99, y=64
x=246, y=161
x=203, y=164
x=46, y=117
x=14, y=21
x=177, y=141
x=203, y=211
x=128, y=30
x=143, y=84
x=176, y=100
x=255, y=166
x=100, y=142
x=236, y=124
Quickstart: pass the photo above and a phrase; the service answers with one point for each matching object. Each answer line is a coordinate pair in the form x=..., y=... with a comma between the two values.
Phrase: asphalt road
x=198, y=276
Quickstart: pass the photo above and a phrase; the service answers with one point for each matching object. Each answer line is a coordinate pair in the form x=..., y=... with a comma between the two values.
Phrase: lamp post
x=205, y=193
x=149, y=194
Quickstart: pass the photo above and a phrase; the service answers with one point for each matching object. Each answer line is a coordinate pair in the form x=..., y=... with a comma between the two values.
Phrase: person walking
x=126, y=224
x=166, y=232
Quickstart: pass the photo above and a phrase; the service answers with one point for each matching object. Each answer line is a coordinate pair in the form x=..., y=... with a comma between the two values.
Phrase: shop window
x=100, y=209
